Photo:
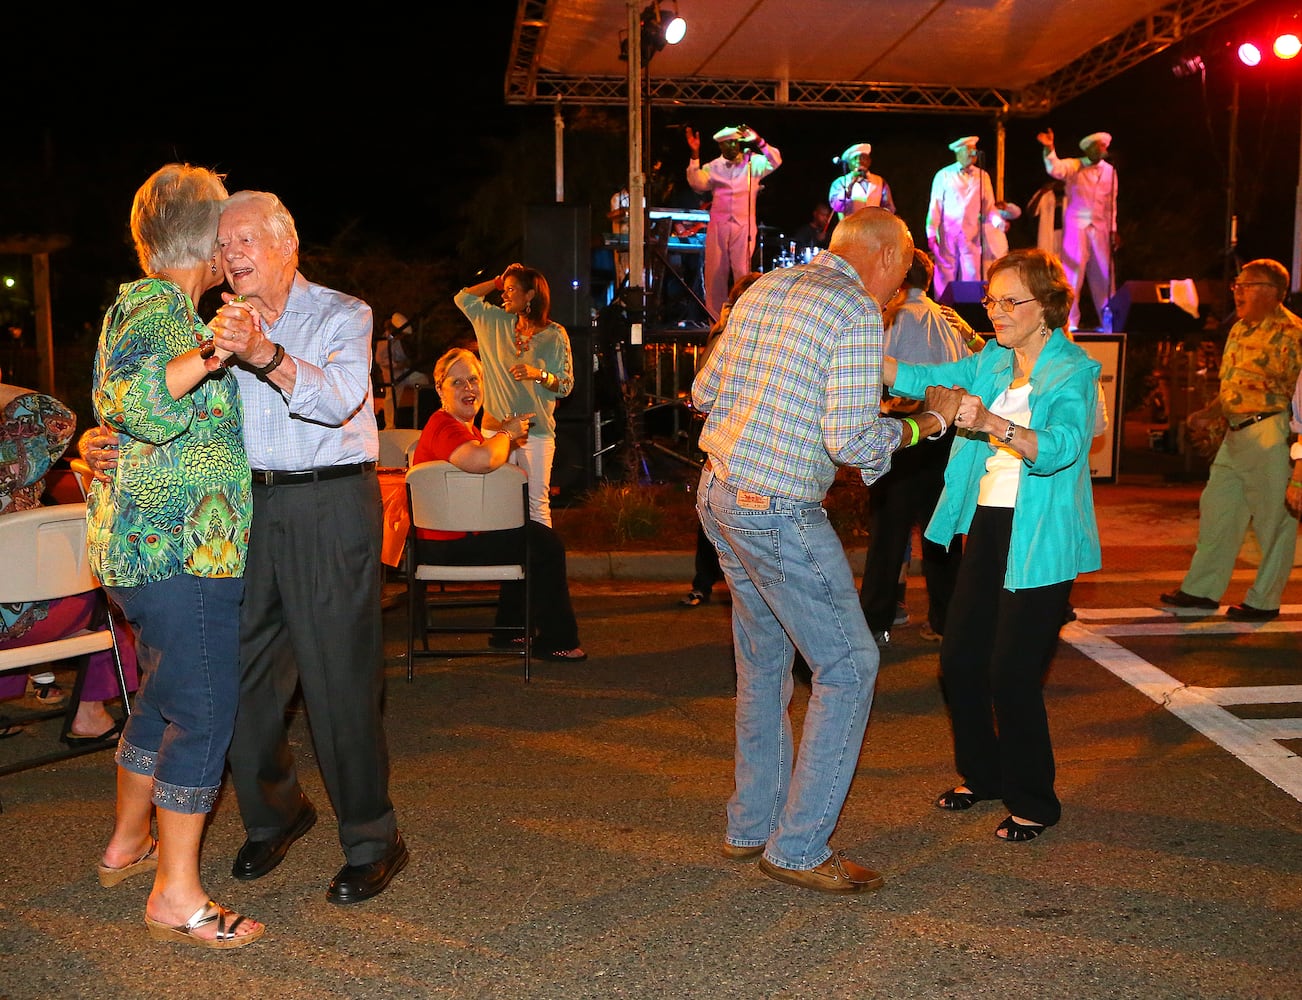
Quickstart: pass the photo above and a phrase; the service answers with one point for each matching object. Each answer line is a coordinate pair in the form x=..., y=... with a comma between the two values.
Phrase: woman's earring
x=214, y=268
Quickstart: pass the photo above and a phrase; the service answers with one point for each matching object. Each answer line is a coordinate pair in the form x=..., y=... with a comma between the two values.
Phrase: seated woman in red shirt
x=451, y=435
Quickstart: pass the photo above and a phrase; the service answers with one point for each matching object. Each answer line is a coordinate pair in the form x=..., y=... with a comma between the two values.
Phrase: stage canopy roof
x=980, y=57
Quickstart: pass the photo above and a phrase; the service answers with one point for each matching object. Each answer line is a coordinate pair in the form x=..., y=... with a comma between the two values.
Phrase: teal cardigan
x=1055, y=536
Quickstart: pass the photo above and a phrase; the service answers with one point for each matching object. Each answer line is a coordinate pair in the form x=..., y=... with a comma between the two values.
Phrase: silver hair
x=174, y=217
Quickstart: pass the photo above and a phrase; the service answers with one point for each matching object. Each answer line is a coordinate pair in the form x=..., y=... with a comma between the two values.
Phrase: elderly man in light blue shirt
x=311, y=613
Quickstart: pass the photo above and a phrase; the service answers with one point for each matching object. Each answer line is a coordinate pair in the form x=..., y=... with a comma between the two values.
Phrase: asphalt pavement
x=564, y=832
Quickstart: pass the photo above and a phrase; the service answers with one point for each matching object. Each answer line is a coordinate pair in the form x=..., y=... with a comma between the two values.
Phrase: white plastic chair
x=396, y=446
x=443, y=497
x=45, y=559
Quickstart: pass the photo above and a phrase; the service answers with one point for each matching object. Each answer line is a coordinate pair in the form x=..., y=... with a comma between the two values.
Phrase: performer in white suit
x=733, y=181
x=961, y=198
x=1089, y=218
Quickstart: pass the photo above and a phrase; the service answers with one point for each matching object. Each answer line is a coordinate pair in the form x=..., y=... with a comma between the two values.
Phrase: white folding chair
x=442, y=497
x=396, y=446
x=45, y=559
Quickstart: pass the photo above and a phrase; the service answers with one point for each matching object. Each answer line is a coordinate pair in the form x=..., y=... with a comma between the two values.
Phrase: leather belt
x=1256, y=418
x=274, y=477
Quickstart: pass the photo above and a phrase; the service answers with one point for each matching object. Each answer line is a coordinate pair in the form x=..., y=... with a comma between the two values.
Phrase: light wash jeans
x=790, y=583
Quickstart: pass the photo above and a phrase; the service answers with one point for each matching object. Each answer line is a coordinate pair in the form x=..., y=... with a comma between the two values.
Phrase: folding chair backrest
x=445, y=498
x=396, y=445
x=44, y=554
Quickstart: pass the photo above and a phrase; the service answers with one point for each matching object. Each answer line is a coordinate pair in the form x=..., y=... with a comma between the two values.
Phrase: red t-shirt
x=443, y=434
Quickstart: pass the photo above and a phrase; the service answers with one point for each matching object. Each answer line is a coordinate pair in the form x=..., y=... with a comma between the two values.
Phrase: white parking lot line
x=1252, y=741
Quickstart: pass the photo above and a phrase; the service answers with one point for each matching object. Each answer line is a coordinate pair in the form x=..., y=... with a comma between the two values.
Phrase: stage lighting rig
x=658, y=29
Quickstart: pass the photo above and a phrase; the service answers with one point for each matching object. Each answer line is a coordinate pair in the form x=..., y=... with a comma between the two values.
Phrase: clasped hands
x=971, y=413
x=237, y=332
x=946, y=402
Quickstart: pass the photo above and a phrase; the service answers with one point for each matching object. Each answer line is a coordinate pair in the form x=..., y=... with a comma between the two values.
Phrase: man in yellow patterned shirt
x=1249, y=475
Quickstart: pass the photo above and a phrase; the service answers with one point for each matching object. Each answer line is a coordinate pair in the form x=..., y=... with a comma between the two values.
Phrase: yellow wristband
x=1295, y=484
x=913, y=429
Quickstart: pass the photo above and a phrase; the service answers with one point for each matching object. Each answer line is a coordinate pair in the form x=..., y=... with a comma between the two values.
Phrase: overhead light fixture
x=1249, y=54
x=676, y=28
x=1189, y=66
x=1287, y=46
x=657, y=31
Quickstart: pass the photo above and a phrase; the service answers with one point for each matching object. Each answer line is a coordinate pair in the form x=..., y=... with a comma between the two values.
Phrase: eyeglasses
x=1007, y=303
x=1236, y=285
x=462, y=383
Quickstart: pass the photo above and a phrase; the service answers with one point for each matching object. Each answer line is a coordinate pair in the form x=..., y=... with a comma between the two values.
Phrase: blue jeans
x=791, y=584
x=188, y=646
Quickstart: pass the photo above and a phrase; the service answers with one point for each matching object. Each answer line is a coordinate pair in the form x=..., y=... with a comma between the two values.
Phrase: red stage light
x=1249, y=54
x=1287, y=46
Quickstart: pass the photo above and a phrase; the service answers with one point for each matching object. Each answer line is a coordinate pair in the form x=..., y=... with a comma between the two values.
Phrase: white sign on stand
x=1109, y=350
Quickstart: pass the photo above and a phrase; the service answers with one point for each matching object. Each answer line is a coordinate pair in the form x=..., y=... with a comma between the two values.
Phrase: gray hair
x=174, y=217
x=280, y=224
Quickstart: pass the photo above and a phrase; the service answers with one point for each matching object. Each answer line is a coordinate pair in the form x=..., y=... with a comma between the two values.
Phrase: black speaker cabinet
x=965, y=298
x=1146, y=307
x=573, y=463
x=558, y=242
x=578, y=405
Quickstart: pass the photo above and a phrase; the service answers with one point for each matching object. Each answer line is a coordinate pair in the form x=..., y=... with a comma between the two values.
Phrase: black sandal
x=694, y=599
x=1018, y=833
x=954, y=800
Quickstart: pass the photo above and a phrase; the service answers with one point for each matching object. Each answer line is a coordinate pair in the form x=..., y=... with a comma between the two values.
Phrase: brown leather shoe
x=837, y=874
x=734, y=852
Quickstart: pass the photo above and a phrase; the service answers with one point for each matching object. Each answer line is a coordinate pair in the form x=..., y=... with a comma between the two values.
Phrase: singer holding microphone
x=1089, y=218
x=961, y=198
x=858, y=187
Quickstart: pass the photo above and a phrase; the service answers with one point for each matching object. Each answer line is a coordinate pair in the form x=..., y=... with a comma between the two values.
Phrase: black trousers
x=311, y=618
x=993, y=661
x=904, y=497
x=707, y=572
x=549, y=586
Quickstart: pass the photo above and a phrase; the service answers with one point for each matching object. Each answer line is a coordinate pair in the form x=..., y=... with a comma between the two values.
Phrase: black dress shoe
x=1180, y=599
x=257, y=857
x=1247, y=613
x=357, y=882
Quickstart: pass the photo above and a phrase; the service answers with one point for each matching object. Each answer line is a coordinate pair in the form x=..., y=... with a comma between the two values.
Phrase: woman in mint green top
x=167, y=531
x=1018, y=486
x=528, y=365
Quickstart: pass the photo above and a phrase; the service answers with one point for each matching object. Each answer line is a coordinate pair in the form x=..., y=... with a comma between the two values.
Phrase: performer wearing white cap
x=1089, y=218
x=859, y=187
x=961, y=197
x=732, y=179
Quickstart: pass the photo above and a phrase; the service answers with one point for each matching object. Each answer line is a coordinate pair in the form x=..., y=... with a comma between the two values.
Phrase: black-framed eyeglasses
x=1236, y=285
x=1007, y=303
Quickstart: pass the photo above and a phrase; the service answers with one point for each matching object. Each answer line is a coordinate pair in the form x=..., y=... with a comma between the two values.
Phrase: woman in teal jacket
x=1018, y=486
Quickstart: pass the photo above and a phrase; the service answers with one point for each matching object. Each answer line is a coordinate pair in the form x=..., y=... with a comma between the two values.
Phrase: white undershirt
x=1003, y=468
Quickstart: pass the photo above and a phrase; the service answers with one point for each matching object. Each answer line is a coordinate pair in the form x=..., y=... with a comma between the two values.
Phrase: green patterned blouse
x=181, y=497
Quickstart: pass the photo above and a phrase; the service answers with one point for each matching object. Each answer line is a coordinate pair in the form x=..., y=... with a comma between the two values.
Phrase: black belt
x=273, y=477
x=1249, y=421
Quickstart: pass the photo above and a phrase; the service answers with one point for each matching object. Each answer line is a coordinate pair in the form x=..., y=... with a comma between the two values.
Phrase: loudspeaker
x=578, y=405
x=558, y=242
x=965, y=297
x=572, y=465
x=427, y=401
x=1146, y=307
